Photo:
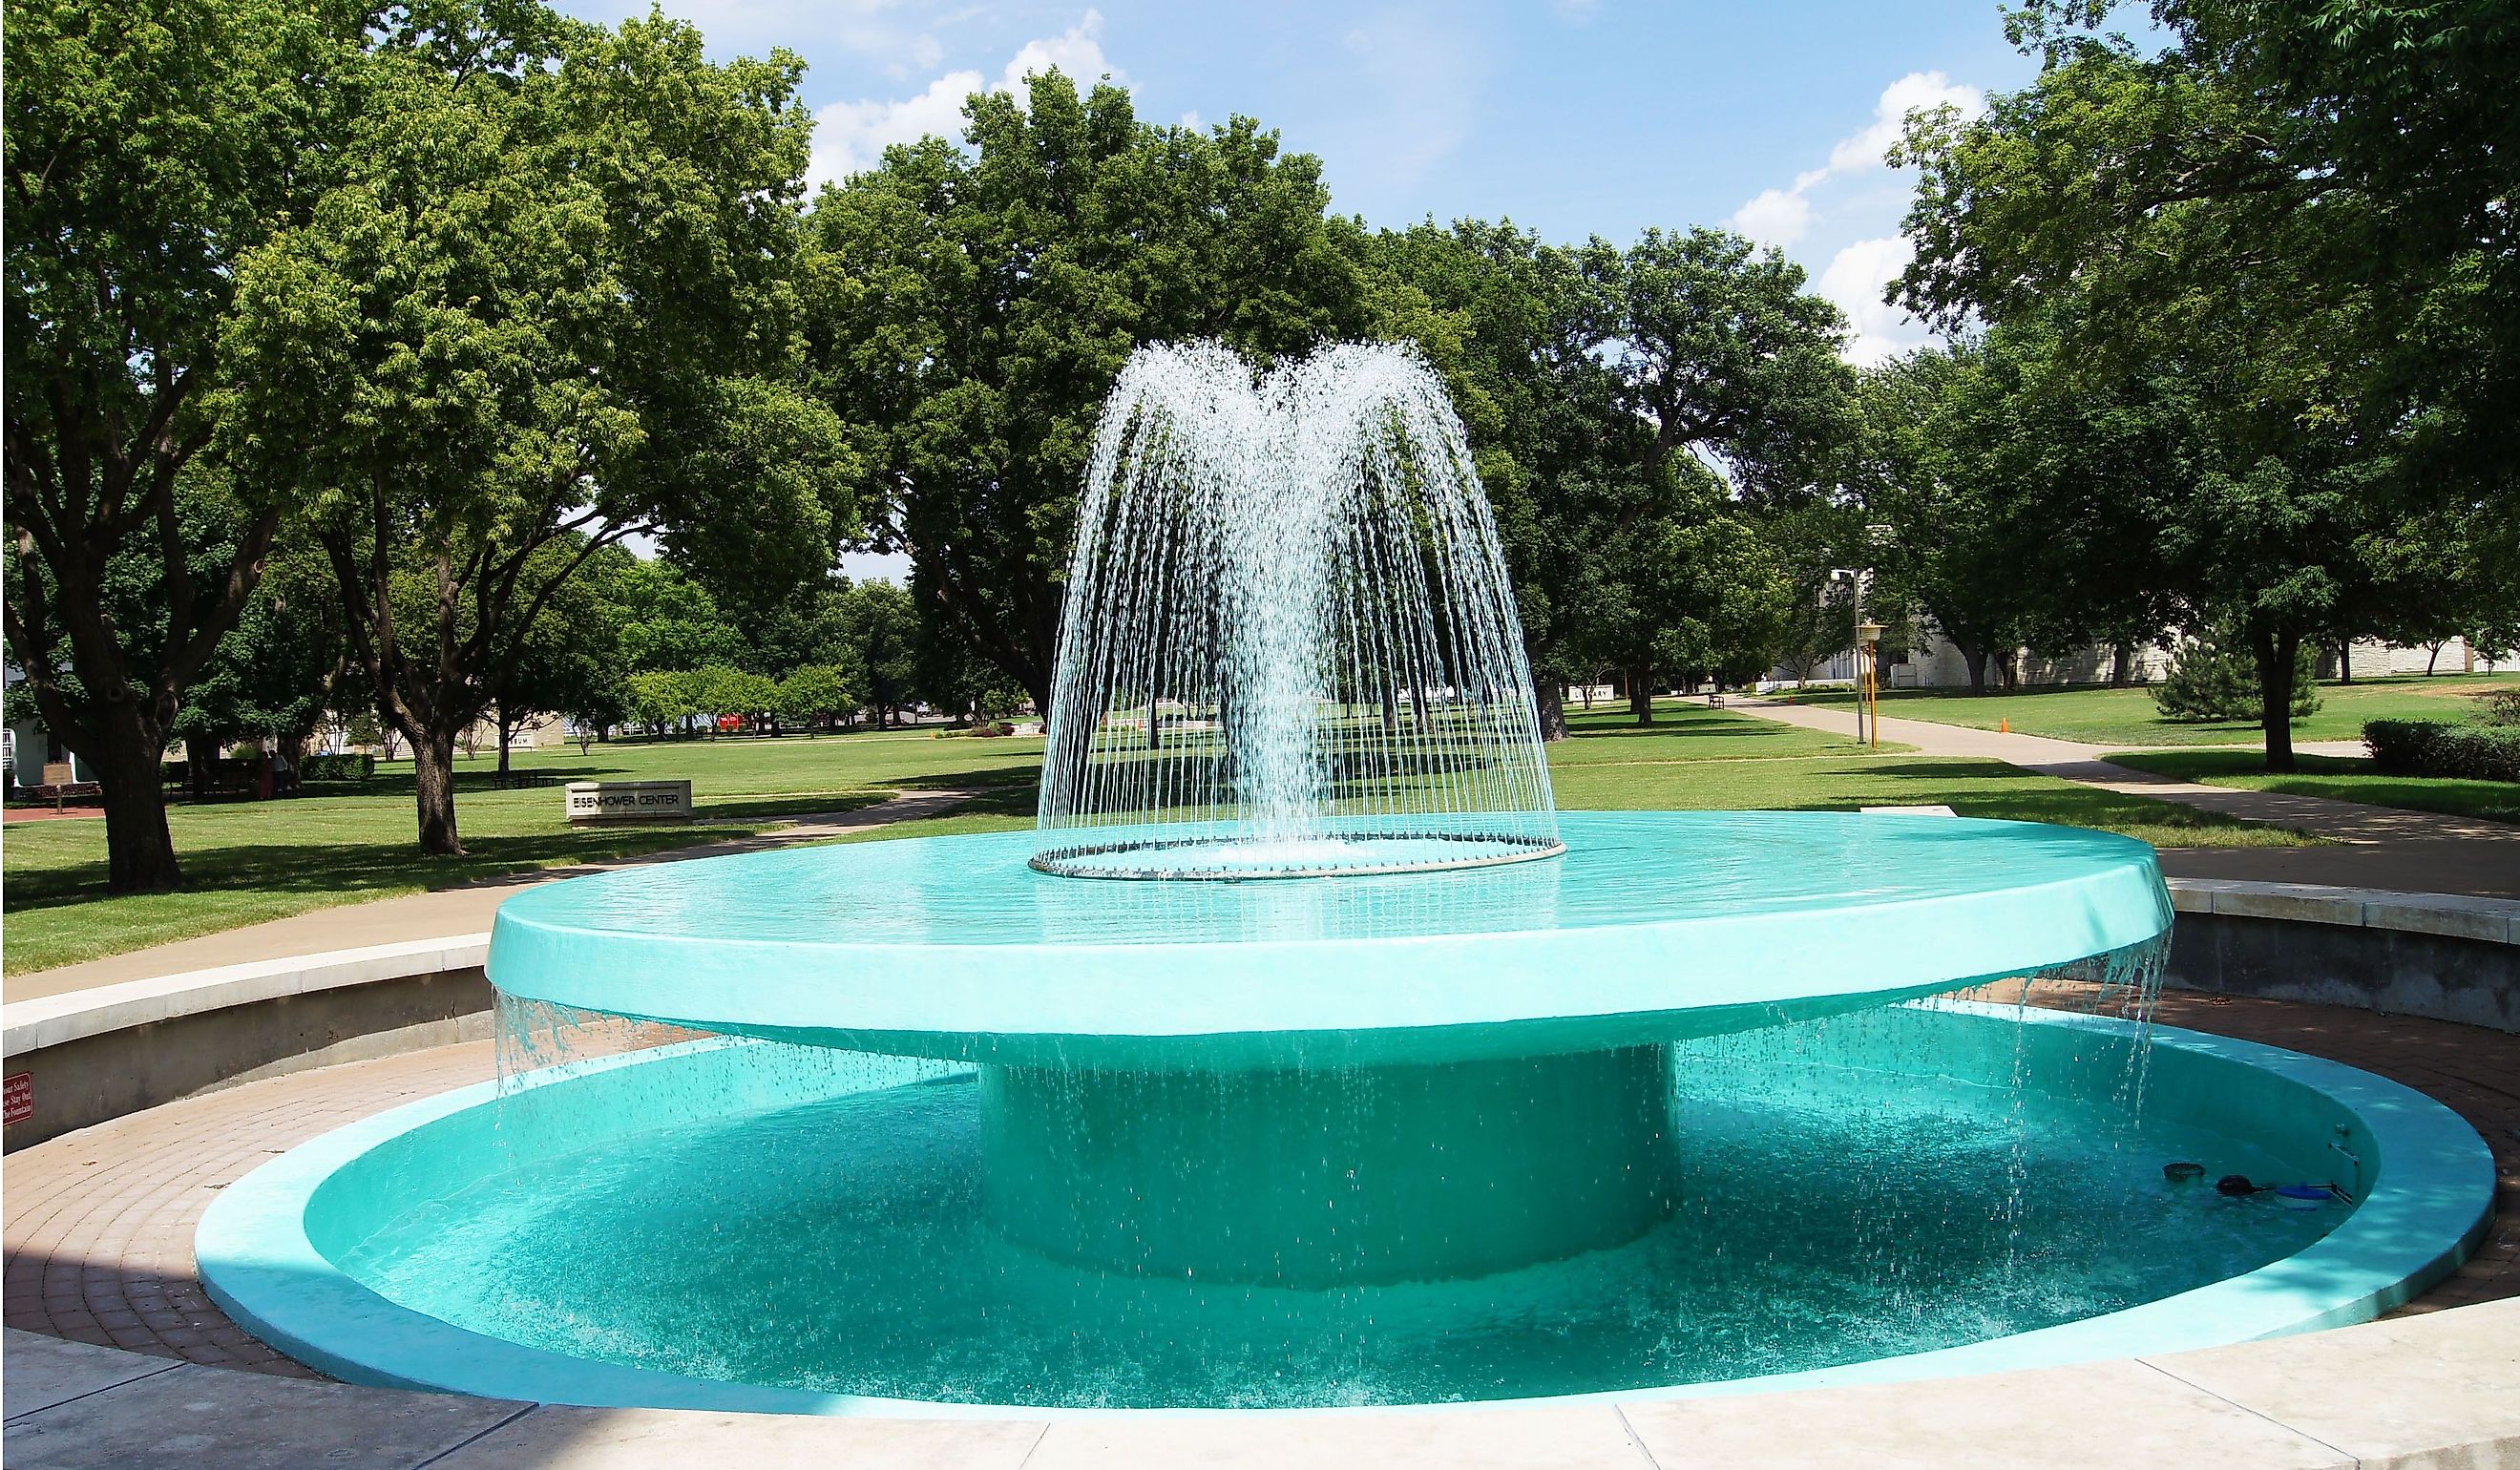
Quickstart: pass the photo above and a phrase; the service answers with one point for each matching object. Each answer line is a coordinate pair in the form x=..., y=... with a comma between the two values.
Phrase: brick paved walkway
x=99, y=1233
x=99, y=1228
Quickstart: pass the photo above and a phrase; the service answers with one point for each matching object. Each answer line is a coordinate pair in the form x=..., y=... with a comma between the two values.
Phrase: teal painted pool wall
x=265, y=1245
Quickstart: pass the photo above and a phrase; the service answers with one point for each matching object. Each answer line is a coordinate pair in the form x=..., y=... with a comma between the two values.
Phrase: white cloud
x=1781, y=216
x=1776, y=217
x=850, y=137
x=1855, y=275
x=1855, y=279
x=1917, y=91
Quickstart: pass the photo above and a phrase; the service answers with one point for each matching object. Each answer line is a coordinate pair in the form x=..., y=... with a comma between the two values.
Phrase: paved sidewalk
x=438, y=914
x=2388, y=848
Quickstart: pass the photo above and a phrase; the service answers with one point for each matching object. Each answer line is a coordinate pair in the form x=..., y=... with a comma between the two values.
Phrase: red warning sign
x=19, y=1091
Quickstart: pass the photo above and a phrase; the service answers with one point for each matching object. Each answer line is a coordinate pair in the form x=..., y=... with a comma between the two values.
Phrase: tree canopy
x=978, y=306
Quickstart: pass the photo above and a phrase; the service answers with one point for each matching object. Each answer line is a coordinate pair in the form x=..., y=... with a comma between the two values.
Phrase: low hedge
x=349, y=765
x=2428, y=747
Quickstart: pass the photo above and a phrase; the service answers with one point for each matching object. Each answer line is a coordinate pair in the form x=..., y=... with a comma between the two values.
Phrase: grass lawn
x=2346, y=778
x=253, y=861
x=2127, y=717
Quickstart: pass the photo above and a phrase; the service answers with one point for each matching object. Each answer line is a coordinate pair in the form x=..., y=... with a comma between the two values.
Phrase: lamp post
x=1867, y=685
x=1854, y=580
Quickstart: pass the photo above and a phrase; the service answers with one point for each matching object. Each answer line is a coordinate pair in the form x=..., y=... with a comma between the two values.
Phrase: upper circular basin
x=1654, y=925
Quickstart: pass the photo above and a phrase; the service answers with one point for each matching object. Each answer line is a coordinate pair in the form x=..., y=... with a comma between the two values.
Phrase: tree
x=569, y=659
x=815, y=694
x=150, y=148
x=1692, y=595
x=553, y=304
x=721, y=691
x=660, y=698
x=788, y=627
x=981, y=304
x=2214, y=679
x=277, y=673
x=2408, y=113
x=1729, y=362
x=1593, y=382
x=1513, y=322
x=2017, y=501
x=881, y=642
x=2148, y=209
x=671, y=621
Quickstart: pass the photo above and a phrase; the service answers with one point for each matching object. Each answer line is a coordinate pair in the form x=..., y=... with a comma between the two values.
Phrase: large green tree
x=2148, y=208
x=551, y=305
x=1598, y=384
x=150, y=146
x=979, y=304
x=2016, y=506
x=1515, y=326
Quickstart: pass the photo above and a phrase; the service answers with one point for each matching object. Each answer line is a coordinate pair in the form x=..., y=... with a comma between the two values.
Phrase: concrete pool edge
x=2435, y=1203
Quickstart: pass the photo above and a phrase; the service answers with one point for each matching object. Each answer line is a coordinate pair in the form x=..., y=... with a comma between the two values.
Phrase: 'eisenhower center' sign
x=597, y=801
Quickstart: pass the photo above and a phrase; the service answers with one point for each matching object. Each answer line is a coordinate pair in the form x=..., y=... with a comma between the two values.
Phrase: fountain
x=1381, y=1083
x=1302, y=583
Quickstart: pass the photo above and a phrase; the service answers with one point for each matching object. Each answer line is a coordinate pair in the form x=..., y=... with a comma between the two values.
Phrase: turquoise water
x=1829, y=1213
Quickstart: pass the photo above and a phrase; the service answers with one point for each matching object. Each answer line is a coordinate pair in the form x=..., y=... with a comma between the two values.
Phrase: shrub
x=350, y=765
x=2215, y=678
x=2428, y=747
x=2502, y=707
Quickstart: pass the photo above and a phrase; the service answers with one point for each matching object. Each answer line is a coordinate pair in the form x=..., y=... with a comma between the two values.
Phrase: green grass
x=249, y=862
x=2342, y=778
x=2127, y=717
x=1689, y=731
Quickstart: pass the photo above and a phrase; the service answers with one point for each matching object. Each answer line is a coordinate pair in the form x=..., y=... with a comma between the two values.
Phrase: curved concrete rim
x=976, y=956
x=2434, y=1203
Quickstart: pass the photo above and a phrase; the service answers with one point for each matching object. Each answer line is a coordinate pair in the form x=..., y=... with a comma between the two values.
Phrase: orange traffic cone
x=2003, y=725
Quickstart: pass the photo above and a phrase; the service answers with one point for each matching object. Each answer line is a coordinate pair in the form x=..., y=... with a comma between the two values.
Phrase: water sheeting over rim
x=1288, y=647
x=1653, y=926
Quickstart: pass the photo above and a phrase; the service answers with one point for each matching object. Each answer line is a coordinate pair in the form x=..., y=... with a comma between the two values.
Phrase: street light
x=1867, y=686
x=1868, y=712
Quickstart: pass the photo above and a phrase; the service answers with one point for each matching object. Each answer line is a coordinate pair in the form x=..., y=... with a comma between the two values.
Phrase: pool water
x=1830, y=1212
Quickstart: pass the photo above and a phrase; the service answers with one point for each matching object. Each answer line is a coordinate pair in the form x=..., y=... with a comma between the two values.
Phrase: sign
x=588, y=802
x=19, y=1091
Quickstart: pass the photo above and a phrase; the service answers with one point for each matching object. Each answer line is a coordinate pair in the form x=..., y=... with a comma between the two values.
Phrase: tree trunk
x=432, y=783
x=1641, y=695
x=504, y=730
x=2432, y=659
x=1975, y=657
x=1552, y=697
x=139, y=853
x=198, y=751
x=2121, y=667
x=2344, y=663
x=2275, y=655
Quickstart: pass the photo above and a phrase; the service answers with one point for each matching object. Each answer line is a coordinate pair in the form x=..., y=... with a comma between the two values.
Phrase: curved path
x=2388, y=848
